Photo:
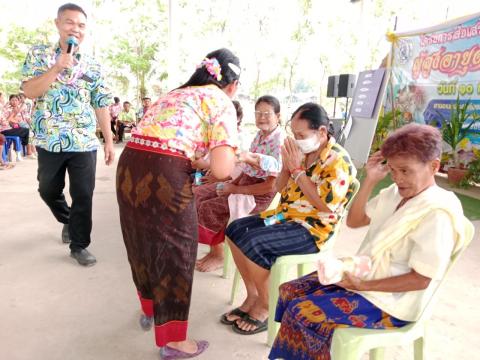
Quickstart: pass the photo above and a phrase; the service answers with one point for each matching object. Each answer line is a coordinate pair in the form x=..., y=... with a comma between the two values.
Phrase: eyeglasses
x=266, y=114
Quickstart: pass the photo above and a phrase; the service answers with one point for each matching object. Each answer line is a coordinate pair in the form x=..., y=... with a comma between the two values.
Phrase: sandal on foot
x=6, y=166
x=168, y=353
x=236, y=312
x=146, y=322
x=261, y=326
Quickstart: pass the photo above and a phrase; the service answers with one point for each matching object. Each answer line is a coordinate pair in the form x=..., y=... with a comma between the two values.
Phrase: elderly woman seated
x=315, y=184
x=254, y=185
x=415, y=227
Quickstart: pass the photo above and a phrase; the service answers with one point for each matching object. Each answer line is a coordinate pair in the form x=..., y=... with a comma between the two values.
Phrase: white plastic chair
x=351, y=343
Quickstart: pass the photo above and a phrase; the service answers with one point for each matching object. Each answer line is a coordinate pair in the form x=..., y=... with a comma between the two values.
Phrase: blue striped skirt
x=263, y=244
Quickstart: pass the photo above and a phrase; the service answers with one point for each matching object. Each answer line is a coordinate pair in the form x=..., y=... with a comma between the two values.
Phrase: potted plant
x=454, y=130
x=473, y=174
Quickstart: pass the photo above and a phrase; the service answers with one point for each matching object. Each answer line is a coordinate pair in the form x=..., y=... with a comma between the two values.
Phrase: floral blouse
x=197, y=118
x=333, y=174
x=269, y=145
x=22, y=119
x=64, y=119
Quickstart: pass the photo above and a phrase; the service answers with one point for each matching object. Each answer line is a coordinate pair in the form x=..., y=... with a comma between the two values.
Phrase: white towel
x=240, y=205
x=330, y=270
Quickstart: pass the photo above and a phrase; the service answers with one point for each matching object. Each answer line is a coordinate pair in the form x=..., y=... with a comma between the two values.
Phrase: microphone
x=71, y=42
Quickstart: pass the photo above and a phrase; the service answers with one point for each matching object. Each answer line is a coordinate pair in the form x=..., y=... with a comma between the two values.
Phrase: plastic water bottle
x=198, y=178
x=269, y=163
x=274, y=219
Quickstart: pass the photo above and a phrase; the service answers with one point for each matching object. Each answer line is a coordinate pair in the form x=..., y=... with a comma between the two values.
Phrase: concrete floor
x=53, y=309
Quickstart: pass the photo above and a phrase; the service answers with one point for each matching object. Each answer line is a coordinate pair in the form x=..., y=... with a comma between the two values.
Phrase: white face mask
x=308, y=145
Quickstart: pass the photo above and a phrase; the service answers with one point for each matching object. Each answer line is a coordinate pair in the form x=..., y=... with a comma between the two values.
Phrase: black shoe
x=146, y=322
x=83, y=257
x=65, y=235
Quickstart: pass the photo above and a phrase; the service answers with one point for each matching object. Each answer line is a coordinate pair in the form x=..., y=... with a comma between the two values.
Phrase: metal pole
x=171, y=52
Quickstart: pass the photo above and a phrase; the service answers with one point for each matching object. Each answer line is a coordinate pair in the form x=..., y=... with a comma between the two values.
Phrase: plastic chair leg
x=377, y=354
x=227, y=260
x=304, y=269
x=419, y=348
x=278, y=275
x=236, y=282
x=340, y=351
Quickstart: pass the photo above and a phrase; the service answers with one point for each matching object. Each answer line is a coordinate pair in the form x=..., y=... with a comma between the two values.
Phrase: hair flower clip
x=213, y=67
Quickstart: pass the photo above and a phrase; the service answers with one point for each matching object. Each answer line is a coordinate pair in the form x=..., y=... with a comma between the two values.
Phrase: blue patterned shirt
x=64, y=118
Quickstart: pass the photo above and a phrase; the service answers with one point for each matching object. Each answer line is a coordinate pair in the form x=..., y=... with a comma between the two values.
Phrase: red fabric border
x=208, y=237
x=171, y=331
x=146, y=304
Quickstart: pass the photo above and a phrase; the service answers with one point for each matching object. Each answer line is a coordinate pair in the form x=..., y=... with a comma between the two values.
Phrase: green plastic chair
x=279, y=271
x=351, y=343
x=227, y=253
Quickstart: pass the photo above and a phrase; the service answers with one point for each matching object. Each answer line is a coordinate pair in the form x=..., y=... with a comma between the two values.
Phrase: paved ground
x=53, y=309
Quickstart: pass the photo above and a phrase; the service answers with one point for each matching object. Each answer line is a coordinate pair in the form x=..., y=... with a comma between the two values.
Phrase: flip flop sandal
x=168, y=353
x=6, y=166
x=261, y=326
x=236, y=312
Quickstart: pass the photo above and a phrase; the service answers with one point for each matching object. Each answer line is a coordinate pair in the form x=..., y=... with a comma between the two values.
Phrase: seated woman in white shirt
x=415, y=227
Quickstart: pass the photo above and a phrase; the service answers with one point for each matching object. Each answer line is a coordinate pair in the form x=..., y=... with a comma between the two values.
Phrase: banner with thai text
x=433, y=67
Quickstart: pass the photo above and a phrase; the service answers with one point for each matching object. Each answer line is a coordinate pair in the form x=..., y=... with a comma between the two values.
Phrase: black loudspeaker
x=346, y=85
x=332, y=87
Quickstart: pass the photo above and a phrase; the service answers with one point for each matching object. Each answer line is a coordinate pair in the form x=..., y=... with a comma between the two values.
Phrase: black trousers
x=121, y=130
x=81, y=168
x=113, y=125
x=22, y=133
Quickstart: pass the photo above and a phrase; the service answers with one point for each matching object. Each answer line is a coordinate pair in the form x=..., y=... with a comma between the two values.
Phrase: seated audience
x=4, y=165
x=18, y=114
x=415, y=227
x=315, y=186
x=114, y=110
x=10, y=127
x=126, y=119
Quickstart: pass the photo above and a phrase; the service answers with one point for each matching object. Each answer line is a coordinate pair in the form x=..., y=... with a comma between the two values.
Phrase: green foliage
x=473, y=174
x=385, y=124
x=135, y=51
x=18, y=41
x=455, y=129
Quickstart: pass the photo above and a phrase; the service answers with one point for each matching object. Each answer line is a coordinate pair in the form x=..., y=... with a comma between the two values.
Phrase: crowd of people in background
x=16, y=112
x=15, y=125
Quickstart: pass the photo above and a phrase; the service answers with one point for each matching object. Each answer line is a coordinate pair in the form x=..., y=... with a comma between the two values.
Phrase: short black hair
x=126, y=102
x=270, y=100
x=314, y=114
x=70, y=6
x=146, y=98
x=116, y=99
x=13, y=96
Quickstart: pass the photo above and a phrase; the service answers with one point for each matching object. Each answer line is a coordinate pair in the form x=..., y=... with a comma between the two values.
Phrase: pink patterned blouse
x=197, y=118
x=268, y=145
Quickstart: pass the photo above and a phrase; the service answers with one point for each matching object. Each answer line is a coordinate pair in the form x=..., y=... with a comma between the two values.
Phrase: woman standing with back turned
x=154, y=192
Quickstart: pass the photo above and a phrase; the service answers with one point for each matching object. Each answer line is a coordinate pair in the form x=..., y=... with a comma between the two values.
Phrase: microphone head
x=72, y=40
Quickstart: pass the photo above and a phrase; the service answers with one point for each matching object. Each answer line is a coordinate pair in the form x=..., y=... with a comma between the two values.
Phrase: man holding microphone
x=71, y=95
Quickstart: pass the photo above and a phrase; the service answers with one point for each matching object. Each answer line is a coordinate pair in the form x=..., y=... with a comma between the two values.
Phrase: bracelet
x=299, y=174
x=301, y=168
